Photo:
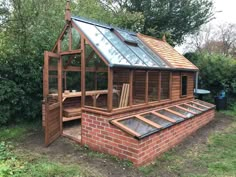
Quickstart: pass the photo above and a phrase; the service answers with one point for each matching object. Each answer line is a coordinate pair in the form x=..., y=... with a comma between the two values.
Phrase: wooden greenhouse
x=119, y=92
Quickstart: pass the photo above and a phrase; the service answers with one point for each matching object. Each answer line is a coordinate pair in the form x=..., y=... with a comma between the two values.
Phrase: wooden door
x=52, y=85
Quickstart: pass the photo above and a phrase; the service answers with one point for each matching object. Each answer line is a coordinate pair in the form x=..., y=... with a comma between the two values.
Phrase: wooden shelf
x=66, y=119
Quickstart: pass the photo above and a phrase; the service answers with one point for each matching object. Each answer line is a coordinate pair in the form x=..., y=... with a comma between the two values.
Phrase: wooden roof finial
x=164, y=38
x=68, y=14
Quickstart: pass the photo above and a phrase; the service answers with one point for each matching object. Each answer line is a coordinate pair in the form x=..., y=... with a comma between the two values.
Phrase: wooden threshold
x=66, y=119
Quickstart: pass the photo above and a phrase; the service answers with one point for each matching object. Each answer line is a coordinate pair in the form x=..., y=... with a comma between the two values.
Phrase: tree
x=221, y=40
x=176, y=18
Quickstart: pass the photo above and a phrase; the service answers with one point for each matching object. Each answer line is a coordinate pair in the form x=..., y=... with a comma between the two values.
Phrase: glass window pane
x=165, y=85
x=190, y=108
x=138, y=126
x=197, y=106
x=126, y=36
x=203, y=103
x=170, y=115
x=104, y=46
x=184, y=85
x=139, y=80
x=181, y=111
x=120, y=78
x=153, y=85
x=75, y=39
x=148, y=61
x=122, y=47
x=164, y=123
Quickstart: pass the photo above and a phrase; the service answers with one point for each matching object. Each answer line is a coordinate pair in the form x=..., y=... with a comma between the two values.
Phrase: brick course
x=100, y=135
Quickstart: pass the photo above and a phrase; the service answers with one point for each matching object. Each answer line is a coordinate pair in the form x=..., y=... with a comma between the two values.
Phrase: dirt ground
x=66, y=151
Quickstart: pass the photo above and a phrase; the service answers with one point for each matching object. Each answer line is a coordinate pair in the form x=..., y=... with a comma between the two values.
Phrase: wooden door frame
x=47, y=56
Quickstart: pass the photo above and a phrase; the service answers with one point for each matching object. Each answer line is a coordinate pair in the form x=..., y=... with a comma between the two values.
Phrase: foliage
x=31, y=165
x=173, y=18
x=217, y=72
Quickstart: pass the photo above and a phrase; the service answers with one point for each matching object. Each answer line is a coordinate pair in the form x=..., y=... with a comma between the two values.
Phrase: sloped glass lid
x=144, y=124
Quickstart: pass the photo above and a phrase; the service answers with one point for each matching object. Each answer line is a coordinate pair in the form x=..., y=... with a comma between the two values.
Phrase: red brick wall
x=100, y=135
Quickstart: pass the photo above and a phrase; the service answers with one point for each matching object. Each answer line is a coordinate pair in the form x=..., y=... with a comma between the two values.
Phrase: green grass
x=217, y=158
x=16, y=164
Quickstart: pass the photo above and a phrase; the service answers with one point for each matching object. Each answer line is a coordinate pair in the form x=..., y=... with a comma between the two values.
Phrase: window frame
x=181, y=85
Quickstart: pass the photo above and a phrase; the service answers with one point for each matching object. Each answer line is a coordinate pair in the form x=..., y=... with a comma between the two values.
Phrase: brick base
x=100, y=135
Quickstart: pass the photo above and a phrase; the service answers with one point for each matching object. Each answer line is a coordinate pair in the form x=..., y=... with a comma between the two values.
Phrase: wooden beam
x=146, y=88
x=176, y=113
x=45, y=75
x=72, y=52
x=194, y=107
x=186, y=109
x=170, y=86
x=163, y=117
x=83, y=67
x=60, y=90
x=159, y=87
x=121, y=126
x=110, y=89
x=148, y=121
x=200, y=104
x=131, y=77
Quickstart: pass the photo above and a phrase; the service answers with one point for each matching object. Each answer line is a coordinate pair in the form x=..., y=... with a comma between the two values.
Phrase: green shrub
x=21, y=89
x=217, y=72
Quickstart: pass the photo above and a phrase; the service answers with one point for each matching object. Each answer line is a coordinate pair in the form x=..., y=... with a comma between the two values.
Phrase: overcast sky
x=226, y=12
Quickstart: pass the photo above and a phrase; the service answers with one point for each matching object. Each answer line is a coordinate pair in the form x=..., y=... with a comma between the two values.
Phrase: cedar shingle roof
x=167, y=52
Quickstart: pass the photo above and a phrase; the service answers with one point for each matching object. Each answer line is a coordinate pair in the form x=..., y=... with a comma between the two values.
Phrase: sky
x=225, y=13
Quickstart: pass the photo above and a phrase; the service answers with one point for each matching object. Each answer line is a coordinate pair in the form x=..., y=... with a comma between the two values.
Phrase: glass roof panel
x=181, y=111
x=154, y=118
x=190, y=108
x=105, y=47
x=127, y=36
x=122, y=47
x=138, y=126
x=170, y=115
x=146, y=58
x=155, y=57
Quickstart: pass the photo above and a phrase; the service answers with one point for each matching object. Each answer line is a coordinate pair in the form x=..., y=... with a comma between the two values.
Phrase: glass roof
x=148, y=123
x=116, y=51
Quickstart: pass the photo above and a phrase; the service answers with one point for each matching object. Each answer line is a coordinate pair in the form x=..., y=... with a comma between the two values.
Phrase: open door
x=52, y=85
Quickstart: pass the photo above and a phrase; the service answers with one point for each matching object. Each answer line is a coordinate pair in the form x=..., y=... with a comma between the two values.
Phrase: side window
x=184, y=80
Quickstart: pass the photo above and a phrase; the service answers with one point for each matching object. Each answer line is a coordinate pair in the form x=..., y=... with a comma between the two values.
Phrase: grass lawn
x=214, y=156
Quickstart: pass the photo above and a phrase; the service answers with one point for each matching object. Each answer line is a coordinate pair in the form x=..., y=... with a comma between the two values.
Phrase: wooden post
x=83, y=71
x=159, y=87
x=70, y=37
x=45, y=75
x=110, y=89
x=59, y=73
x=170, y=86
x=59, y=76
x=131, y=77
x=146, y=88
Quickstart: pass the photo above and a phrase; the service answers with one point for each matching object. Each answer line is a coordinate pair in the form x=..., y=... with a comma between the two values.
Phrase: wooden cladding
x=177, y=84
